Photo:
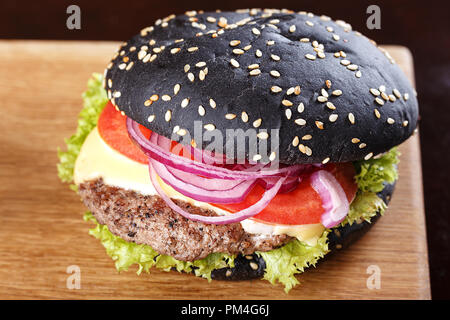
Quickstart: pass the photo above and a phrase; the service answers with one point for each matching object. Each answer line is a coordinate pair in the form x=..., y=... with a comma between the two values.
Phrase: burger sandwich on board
x=239, y=145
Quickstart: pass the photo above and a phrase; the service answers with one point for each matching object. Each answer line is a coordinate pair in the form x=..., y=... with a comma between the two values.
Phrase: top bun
x=333, y=93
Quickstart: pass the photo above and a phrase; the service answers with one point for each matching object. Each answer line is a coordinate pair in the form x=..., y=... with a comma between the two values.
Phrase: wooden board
x=41, y=226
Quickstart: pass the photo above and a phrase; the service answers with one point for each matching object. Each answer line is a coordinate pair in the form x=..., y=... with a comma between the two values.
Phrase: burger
x=239, y=145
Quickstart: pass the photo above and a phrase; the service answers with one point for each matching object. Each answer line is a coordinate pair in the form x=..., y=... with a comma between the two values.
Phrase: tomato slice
x=113, y=130
x=300, y=206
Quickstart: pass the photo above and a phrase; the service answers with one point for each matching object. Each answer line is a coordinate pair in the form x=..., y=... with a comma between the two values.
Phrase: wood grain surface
x=42, y=231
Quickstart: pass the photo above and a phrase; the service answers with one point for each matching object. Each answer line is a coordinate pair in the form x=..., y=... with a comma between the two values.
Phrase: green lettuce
x=282, y=264
x=126, y=254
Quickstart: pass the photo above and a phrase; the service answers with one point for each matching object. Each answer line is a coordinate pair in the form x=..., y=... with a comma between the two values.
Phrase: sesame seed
x=182, y=132
x=154, y=98
x=152, y=58
x=295, y=141
x=368, y=156
x=351, y=118
x=200, y=64
x=230, y=116
x=343, y=54
x=377, y=113
x=302, y=148
x=238, y=51
x=321, y=55
x=255, y=72
x=406, y=96
x=263, y=135
x=392, y=98
x=292, y=29
x=328, y=84
x=405, y=123
x=309, y=23
x=301, y=107
x=201, y=110
x=300, y=121
x=234, y=63
x=122, y=66
x=256, y=157
x=319, y=124
x=325, y=161
x=275, y=89
x=322, y=99
x=272, y=156
x=310, y=56
x=336, y=93
x=257, y=123
x=244, y=116
x=379, y=101
x=308, y=151
x=307, y=137
x=352, y=67
x=362, y=145
x=256, y=31
x=290, y=91
x=175, y=50
x=209, y=127
x=201, y=75
x=324, y=93
x=336, y=37
x=275, y=57
x=374, y=91
x=168, y=115
x=358, y=74
x=117, y=94
x=330, y=106
x=390, y=121
x=304, y=40
x=286, y=103
x=297, y=90
x=355, y=140
x=142, y=54
x=384, y=96
x=166, y=97
x=345, y=62
x=258, y=53
x=234, y=43
x=333, y=117
x=176, y=89
x=187, y=67
x=247, y=47
x=397, y=93
x=185, y=102
x=192, y=49
x=147, y=103
x=288, y=113
x=151, y=118
x=191, y=76
x=382, y=88
x=275, y=73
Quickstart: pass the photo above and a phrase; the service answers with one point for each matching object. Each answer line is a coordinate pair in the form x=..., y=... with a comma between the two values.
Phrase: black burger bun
x=332, y=93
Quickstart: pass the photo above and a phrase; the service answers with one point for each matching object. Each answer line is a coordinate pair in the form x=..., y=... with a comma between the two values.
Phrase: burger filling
x=284, y=217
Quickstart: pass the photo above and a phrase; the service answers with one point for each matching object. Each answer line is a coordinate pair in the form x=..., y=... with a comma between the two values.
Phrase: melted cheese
x=98, y=160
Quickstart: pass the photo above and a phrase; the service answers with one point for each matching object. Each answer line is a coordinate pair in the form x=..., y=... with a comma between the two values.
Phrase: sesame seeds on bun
x=333, y=94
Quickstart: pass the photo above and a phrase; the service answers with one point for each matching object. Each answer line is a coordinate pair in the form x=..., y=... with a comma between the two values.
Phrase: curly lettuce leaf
x=94, y=99
x=372, y=174
x=282, y=264
x=126, y=254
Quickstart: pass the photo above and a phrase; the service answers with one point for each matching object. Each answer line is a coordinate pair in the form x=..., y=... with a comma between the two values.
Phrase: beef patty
x=147, y=219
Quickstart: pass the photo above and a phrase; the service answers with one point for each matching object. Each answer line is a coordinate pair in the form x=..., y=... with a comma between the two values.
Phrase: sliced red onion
x=289, y=184
x=225, y=219
x=235, y=194
x=334, y=199
x=157, y=153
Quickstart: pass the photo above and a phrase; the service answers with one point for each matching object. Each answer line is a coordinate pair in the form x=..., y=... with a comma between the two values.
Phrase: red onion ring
x=226, y=219
x=334, y=199
x=159, y=154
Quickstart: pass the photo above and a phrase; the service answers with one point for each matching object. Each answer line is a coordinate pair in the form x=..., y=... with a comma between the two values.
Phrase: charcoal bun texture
x=312, y=89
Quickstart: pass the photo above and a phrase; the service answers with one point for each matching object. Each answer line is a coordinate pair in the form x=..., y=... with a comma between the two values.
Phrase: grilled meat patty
x=147, y=219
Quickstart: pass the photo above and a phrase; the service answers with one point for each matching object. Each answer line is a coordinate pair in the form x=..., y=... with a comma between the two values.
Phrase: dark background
x=422, y=26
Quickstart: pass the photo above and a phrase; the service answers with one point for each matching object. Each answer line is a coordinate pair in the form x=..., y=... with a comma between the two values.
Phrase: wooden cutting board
x=42, y=232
